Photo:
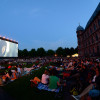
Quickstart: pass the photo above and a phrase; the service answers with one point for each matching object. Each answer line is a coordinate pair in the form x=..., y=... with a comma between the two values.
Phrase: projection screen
x=8, y=49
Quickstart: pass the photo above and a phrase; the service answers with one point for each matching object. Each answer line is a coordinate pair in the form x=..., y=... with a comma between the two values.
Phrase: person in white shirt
x=45, y=77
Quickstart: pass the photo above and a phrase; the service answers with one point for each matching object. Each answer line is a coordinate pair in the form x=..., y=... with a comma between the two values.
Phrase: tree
x=41, y=52
x=32, y=53
x=59, y=51
x=65, y=52
x=72, y=51
x=20, y=53
x=25, y=53
x=50, y=52
x=76, y=49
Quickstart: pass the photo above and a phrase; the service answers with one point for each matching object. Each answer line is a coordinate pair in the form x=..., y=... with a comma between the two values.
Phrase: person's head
x=53, y=72
x=46, y=72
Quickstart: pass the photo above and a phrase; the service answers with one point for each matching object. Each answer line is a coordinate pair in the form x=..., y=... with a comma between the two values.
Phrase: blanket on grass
x=45, y=87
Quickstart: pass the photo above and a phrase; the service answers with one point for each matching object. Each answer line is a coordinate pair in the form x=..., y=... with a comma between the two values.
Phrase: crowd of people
x=14, y=72
x=81, y=78
x=10, y=75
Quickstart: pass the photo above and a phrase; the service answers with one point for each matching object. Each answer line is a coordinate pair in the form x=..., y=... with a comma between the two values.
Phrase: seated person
x=14, y=75
x=4, y=78
x=45, y=77
x=53, y=81
x=10, y=73
x=93, y=88
x=95, y=91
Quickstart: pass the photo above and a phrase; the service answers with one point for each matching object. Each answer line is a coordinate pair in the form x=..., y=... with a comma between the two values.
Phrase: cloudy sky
x=44, y=23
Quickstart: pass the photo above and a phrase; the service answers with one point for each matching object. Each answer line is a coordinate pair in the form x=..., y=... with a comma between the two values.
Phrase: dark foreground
x=4, y=95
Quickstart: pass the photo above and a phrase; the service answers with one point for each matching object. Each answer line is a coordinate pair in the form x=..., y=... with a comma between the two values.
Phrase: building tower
x=79, y=32
x=89, y=38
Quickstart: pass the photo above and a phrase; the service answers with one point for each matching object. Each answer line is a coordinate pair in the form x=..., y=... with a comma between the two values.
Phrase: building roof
x=80, y=28
x=93, y=15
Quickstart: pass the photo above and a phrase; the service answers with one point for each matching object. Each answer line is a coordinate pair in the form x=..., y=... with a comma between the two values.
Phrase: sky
x=44, y=23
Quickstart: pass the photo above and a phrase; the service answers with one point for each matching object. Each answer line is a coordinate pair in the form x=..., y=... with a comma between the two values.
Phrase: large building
x=89, y=38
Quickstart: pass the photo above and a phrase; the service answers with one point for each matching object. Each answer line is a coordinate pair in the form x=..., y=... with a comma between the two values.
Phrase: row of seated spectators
x=81, y=78
x=18, y=71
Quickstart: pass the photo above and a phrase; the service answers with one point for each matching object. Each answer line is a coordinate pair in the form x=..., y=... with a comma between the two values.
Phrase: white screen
x=8, y=49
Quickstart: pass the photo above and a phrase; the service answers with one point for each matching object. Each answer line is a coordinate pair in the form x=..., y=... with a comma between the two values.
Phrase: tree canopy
x=41, y=52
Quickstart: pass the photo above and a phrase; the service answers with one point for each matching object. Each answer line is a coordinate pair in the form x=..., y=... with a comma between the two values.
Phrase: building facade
x=89, y=38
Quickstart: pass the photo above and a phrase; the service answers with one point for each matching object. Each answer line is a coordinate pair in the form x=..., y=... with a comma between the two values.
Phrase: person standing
x=19, y=71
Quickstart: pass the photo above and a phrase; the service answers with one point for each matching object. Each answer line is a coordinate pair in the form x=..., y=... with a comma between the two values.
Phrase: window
x=92, y=40
x=79, y=46
x=96, y=36
x=89, y=50
x=79, y=39
x=89, y=42
x=86, y=44
x=93, y=50
x=94, y=27
x=99, y=22
x=90, y=30
x=88, y=34
x=85, y=36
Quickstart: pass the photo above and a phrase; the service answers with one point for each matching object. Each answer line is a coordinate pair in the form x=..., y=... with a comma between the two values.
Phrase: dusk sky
x=44, y=23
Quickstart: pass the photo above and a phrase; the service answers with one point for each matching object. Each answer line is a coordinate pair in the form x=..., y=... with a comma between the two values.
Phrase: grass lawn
x=20, y=89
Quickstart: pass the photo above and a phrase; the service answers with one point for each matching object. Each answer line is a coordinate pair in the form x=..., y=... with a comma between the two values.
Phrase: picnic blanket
x=28, y=69
x=45, y=87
